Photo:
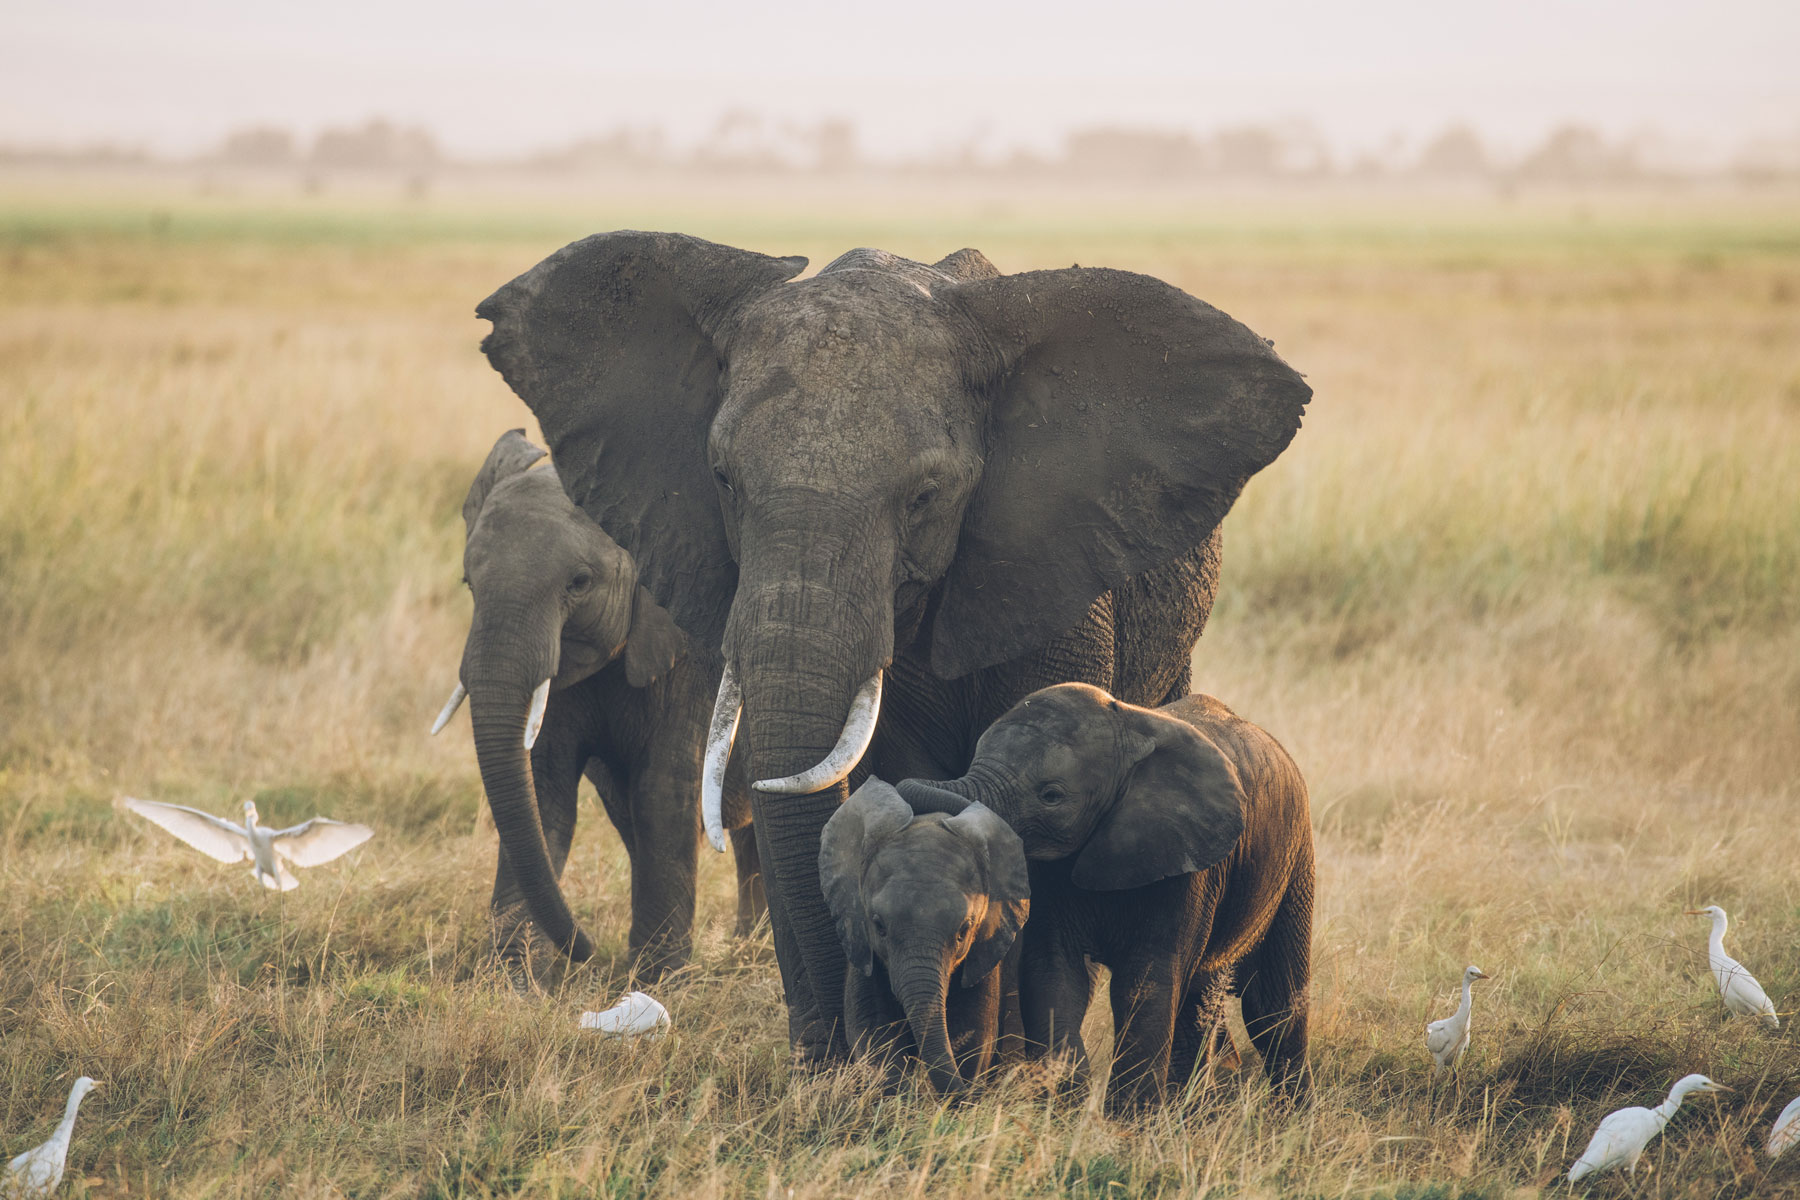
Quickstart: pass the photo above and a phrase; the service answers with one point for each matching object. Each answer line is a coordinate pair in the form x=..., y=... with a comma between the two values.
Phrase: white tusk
x=457, y=696
x=719, y=739
x=852, y=744
x=535, y=720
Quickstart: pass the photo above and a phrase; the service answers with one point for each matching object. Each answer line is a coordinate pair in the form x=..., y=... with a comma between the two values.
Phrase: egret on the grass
x=633, y=1016
x=307, y=844
x=1785, y=1133
x=1622, y=1136
x=37, y=1171
x=1448, y=1038
x=1743, y=996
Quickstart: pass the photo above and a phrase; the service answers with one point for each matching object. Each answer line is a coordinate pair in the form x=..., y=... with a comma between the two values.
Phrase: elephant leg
x=973, y=1015
x=1145, y=995
x=1198, y=1024
x=1275, y=977
x=1054, y=991
x=752, y=902
x=665, y=852
x=875, y=1024
x=814, y=1036
x=614, y=798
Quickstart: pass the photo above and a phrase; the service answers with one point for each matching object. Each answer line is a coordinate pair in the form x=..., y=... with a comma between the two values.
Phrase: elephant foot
x=816, y=1044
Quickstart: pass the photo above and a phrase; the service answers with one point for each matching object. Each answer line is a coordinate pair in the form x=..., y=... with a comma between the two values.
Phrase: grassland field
x=1520, y=599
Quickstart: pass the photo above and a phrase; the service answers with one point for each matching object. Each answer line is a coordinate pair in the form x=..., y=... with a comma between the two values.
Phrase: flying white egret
x=1743, y=996
x=37, y=1171
x=307, y=844
x=1785, y=1134
x=633, y=1016
x=1622, y=1136
x=1448, y=1038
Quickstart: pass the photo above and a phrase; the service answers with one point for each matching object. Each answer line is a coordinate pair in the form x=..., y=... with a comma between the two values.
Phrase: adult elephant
x=976, y=485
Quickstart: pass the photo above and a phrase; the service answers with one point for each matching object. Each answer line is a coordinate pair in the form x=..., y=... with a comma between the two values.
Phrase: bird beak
x=1482, y=975
x=1692, y=912
x=1719, y=1087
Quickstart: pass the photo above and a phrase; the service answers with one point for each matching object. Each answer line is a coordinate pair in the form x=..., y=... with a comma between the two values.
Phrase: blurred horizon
x=1302, y=89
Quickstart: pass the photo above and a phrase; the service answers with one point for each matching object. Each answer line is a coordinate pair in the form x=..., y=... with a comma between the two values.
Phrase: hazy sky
x=913, y=75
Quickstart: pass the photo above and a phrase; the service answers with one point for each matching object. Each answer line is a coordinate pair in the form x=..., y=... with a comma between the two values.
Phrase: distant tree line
x=745, y=142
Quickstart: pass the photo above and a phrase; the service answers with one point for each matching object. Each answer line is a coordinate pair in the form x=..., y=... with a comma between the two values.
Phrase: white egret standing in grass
x=37, y=1171
x=1743, y=996
x=1448, y=1038
x=1785, y=1133
x=307, y=844
x=1622, y=1136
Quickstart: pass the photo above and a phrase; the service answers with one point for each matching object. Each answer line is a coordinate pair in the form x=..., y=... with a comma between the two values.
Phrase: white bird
x=1622, y=1135
x=37, y=1171
x=633, y=1016
x=1448, y=1038
x=307, y=844
x=1743, y=996
x=1785, y=1134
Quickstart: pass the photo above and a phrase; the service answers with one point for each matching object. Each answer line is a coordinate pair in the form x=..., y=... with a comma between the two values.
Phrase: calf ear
x=654, y=644
x=873, y=812
x=510, y=455
x=1009, y=888
x=1181, y=808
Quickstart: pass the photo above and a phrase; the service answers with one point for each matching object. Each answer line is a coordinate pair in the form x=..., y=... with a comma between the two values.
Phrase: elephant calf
x=918, y=901
x=572, y=668
x=1174, y=845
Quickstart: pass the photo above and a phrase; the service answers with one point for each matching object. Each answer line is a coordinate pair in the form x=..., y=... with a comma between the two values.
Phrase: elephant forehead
x=926, y=853
x=1050, y=740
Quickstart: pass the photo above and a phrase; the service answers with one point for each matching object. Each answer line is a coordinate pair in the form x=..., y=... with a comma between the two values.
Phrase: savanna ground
x=1520, y=599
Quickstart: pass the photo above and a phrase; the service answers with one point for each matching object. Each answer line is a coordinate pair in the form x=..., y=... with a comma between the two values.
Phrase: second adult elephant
x=571, y=668
x=941, y=482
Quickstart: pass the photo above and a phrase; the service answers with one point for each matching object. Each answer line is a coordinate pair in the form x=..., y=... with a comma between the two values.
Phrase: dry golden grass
x=1520, y=600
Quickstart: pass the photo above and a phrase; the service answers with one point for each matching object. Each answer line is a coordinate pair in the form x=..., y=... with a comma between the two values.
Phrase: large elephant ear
x=1180, y=810
x=511, y=454
x=874, y=811
x=1126, y=417
x=614, y=343
x=1009, y=888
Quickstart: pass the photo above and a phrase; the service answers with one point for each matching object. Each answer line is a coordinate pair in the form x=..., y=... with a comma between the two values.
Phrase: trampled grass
x=1520, y=600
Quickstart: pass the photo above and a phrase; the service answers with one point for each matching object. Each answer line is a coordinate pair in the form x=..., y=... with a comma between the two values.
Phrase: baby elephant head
x=1131, y=794
x=931, y=896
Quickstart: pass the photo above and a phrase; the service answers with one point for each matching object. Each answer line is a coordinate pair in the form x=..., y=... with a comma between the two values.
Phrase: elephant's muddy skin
x=1173, y=845
x=927, y=909
x=557, y=600
x=971, y=485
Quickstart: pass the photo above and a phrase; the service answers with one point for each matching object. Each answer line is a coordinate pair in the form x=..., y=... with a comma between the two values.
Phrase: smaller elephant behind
x=571, y=668
x=1175, y=846
x=927, y=908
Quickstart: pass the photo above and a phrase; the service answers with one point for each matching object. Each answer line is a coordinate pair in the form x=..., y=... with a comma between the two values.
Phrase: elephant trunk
x=983, y=784
x=921, y=989
x=802, y=647
x=507, y=688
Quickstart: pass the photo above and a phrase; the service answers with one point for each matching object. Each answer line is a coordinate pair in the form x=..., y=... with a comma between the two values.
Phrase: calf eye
x=880, y=926
x=968, y=924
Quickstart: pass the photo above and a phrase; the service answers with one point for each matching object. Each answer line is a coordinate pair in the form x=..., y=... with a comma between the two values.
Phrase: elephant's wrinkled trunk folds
x=852, y=744
x=921, y=990
x=508, y=683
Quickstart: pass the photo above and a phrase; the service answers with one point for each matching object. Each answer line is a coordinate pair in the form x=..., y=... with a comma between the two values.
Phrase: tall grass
x=1519, y=599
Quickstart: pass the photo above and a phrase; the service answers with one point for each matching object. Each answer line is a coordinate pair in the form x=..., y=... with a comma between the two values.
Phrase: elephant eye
x=723, y=482
x=581, y=582
x=1050, y=793
x=880, y=926
x=917, y=504
x=968, y=924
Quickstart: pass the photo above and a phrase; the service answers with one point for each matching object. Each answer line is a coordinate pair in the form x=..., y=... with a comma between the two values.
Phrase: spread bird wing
x=319, y=841
x=212, y=836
